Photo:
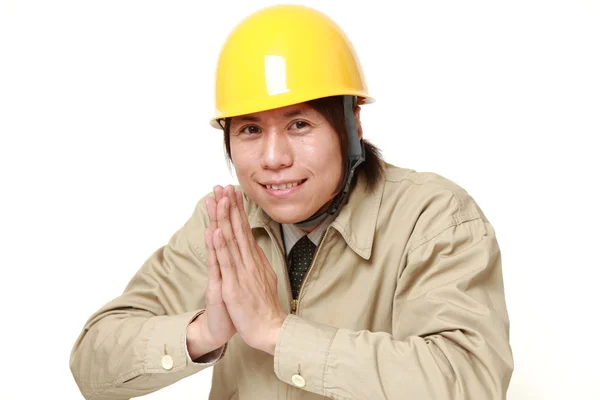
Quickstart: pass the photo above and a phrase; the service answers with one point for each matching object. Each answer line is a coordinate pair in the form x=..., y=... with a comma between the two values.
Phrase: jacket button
x=298, y=381
x=167, y=362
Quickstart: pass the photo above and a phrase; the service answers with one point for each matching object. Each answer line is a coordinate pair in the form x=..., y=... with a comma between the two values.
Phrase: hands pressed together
x=241, y=295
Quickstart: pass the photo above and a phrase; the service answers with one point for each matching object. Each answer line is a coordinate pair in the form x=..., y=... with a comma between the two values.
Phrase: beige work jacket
x=404, y=300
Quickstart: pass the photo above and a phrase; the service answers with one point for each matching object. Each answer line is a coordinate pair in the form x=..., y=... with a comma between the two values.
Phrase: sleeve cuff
x=301, y=353
x=167, y=348
x=208, y=358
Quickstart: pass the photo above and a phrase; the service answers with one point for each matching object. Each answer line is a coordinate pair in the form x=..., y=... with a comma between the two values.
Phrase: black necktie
x=299, y=261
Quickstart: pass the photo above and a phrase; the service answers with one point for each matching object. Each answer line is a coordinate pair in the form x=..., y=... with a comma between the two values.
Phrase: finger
x=211, y=208
x=223, y=256
x=214, y=273
x=218, y=190
x=246, y=228
x=237, y=215
x=224, y=222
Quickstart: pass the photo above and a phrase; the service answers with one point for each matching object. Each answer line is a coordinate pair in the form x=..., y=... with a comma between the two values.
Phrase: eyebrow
x=294, y=113
x=289, y=114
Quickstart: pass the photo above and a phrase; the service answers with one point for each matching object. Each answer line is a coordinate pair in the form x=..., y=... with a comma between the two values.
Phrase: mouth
x=283, y=186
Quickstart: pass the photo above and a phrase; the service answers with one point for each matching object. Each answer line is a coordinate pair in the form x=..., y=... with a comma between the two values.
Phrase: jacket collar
x=356, y=220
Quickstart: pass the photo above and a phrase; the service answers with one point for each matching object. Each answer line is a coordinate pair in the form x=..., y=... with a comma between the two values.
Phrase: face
x=288, y=160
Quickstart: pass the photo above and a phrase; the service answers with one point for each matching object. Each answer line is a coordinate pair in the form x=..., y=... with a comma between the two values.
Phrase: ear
x=358, y=124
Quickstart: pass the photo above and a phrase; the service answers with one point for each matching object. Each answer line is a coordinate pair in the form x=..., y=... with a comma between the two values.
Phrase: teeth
x=282, y=186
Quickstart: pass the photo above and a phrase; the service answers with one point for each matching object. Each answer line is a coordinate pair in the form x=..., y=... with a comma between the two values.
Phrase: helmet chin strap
x=356, y=155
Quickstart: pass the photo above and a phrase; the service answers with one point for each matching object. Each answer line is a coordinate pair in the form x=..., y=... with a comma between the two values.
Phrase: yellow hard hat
x=283, y=55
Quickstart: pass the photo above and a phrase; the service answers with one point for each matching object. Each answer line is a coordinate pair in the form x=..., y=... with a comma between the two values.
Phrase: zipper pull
x=294, y=305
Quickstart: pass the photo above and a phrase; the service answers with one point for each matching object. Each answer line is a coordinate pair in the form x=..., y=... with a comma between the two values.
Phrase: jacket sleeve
x=136, y=344
x=456, y=345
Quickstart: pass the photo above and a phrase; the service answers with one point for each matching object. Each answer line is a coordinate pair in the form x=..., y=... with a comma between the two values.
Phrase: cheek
x=329, y=167
x=238, y=161
x=333, y=159
x=238, y=155
x=335, y=173
x=245, y=159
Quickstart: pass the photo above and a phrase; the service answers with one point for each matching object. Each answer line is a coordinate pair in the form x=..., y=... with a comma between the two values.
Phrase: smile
x=284, y=185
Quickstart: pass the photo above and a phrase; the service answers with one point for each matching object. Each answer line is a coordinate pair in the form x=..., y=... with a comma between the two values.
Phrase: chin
x=286, y=215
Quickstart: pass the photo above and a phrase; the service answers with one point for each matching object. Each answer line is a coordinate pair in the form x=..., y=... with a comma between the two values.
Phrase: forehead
x=282, y=113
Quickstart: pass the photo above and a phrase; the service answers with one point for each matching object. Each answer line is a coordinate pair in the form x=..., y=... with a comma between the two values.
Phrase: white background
x=105, y=149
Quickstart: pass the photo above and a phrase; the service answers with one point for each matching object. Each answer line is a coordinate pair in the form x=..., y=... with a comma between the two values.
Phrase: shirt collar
x=291, y=233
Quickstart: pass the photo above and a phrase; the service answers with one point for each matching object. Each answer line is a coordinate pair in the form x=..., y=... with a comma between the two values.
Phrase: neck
x=309, y=229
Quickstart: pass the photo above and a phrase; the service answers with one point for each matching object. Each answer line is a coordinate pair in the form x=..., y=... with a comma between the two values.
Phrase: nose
x=276, y=152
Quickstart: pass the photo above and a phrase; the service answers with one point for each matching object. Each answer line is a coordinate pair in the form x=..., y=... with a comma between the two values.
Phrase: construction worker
x=327, y=273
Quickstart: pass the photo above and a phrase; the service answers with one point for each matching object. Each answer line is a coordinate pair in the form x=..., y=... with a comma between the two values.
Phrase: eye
x=299, y=125
x=250, y=130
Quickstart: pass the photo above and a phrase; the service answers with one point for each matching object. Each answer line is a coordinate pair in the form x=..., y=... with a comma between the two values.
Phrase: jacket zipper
x=295, y=302
x=292, y=302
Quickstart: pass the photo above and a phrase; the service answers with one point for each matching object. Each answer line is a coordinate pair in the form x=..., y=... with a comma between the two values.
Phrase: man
x=329, y=273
